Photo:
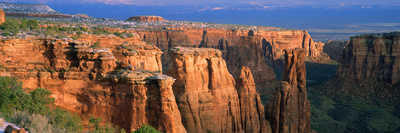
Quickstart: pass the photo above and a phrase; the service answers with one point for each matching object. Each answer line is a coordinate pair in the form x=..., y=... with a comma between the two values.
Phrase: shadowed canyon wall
x=334, y=49
x=288, y=110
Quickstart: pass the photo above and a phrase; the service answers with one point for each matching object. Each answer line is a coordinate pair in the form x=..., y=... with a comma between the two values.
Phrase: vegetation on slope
x=36, y=112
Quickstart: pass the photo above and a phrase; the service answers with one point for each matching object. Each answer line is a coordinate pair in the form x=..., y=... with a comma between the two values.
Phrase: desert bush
x=34, y=123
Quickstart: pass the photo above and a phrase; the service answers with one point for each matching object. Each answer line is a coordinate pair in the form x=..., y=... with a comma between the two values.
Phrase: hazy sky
x=220, y=2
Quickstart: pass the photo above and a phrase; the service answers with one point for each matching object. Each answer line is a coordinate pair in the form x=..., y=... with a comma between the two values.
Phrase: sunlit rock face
x=371, y=57
x=118, y=80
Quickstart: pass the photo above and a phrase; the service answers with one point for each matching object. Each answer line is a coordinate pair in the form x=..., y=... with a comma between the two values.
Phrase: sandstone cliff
x=2, y=16
x=288, y=110
x=334, y=49
x=146, y=18
x=372, y=57
x=247, y=52
x=251, y=107
x=276, y=40
x=89, y=79
x=205, y=91
x=270, y=43
x=209, y=99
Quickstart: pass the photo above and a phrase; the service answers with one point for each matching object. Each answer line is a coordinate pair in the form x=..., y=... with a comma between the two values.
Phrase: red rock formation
x=271, y=43
x=205, y=91
x=2, y=16
x=247, y=52
x=371, y=57
x=146, y=18
x=278, y=40
x=288, y=110
x=251, y=107
x=334, y=49
x=83, y=79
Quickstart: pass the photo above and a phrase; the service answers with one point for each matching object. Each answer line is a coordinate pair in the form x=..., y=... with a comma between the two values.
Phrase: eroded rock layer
x=288, y=110
x=88, y=79
x=372, y=57
x=205, y=91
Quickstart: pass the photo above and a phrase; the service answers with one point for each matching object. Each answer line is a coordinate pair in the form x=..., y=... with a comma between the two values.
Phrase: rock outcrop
x=14, y=129
x=288, y=110
x=146, y=18
x=247, y=52
x=251, y=107
x=334, y=49
x=2, y=16
x=205, y=91
x=209, y=99
x=89, y=79
x=372, y=57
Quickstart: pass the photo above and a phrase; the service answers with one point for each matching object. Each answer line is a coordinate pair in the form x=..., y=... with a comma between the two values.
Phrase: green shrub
x=146, y=129
x=37, y=102
x=119, y=34
x=95, y=126
x=96, y=45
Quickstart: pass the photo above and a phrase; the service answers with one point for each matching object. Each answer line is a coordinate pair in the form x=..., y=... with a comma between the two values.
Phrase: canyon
x=121, y=81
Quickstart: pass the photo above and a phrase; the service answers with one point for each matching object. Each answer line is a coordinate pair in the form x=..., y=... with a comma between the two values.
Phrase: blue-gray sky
x=263, y=3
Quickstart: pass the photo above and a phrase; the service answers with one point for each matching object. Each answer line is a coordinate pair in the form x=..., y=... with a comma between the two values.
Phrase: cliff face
x=89, y=80
x=270, y=44
x=370, y=57
x=276, y=41
x=205, y=91
x=288, y=110
x=209, y=99
x=251, y=107
x=146, y=18
x=2, y=16
x=247, y=52
x=334, y=49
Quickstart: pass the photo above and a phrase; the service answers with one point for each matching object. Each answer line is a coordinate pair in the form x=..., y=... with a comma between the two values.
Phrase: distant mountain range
x=27, y=8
